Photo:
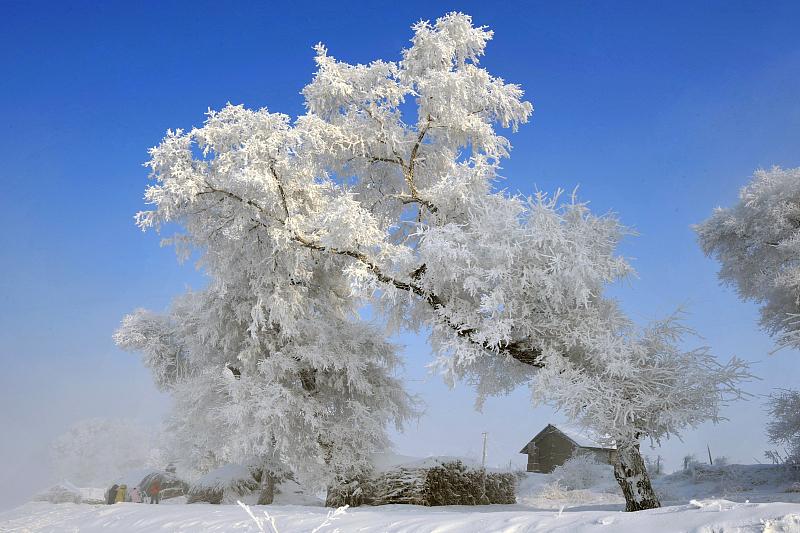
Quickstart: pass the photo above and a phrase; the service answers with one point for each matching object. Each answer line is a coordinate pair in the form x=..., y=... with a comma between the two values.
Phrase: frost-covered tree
x=384, y=192
x=312, y=398
x=94, y=451
x=630, y=384
x=757, y=242
x=783, y=428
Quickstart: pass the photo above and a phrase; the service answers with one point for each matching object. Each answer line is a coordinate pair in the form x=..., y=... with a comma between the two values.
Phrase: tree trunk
x=267, y=488
x=631, y=474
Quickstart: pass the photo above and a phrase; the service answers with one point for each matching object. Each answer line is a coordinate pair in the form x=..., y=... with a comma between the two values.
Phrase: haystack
x=433, y=481
x=225, y=484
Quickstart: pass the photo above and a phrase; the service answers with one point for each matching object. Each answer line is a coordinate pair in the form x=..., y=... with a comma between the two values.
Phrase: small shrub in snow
x=63, y=492
x=553, y=491
x=728, y=478
x=582, y=471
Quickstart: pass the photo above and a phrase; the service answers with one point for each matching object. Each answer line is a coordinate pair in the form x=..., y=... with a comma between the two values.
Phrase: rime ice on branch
x=757, y=242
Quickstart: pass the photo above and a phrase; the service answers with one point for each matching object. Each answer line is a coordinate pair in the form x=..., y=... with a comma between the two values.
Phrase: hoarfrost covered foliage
x=583, y=471
x=385, y=192
x=783, y=427
x=757, y=242
x=315, y=402
x=94, y=451
x=644, y=385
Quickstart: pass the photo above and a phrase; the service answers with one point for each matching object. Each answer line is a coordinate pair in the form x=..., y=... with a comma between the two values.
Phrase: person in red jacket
x=155, y=491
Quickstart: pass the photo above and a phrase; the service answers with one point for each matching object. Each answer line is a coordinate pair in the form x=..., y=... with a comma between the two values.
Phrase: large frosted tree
x=314, y=402
x=269, y=364
x=387, y=186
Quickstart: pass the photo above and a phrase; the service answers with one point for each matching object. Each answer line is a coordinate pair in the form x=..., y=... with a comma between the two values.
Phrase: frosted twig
x=270, y=520
x=332, y=515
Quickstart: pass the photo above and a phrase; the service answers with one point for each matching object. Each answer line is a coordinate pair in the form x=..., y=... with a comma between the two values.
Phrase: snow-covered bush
x=226, y=484
x=728, y=479
x=553, y=491
x=702, y=480
x=583, y=471
x=455, y=484
x=64, y=492
x=443, y=483
x=549, y=493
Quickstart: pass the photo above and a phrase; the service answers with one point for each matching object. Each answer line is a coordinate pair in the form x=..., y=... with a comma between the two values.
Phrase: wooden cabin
x=552, y=446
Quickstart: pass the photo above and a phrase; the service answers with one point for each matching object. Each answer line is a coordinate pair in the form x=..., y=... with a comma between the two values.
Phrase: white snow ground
x=703, y=499
x=703, y=516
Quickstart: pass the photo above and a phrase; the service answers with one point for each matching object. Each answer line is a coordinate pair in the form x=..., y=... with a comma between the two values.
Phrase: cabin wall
x=549, y=451
x=552, y=449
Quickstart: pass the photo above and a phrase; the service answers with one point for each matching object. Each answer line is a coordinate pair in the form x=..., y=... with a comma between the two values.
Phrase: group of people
x=119, y=493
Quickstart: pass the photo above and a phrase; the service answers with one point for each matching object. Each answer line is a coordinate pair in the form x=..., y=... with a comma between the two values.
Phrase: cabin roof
x=579, y=436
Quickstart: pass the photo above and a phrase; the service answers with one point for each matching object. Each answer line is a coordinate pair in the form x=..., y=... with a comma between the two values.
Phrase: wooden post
x=483, y=462
x=484, y=499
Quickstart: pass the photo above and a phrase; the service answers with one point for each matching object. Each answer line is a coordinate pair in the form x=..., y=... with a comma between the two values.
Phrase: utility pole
x=483, y=462
x=710, y=461
x=484, y=499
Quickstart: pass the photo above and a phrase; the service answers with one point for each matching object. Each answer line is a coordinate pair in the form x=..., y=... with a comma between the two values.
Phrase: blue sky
x=659, y=112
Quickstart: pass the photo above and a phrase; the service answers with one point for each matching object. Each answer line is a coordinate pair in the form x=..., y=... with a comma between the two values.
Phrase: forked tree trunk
x=631, y=474
x=267, y=494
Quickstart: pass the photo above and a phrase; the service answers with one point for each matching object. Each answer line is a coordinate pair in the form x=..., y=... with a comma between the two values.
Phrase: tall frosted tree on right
x=757, y=242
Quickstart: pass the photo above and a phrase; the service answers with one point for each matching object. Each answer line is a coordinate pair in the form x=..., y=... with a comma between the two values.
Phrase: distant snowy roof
x=583, y=437
x=580, y=436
